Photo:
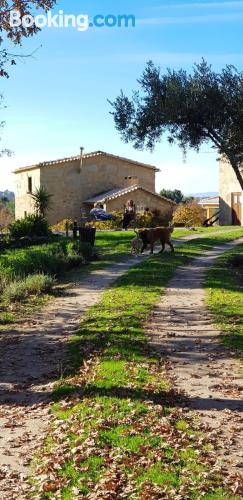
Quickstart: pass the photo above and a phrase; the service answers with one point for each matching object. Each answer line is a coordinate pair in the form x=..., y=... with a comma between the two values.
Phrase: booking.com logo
x=81, y=22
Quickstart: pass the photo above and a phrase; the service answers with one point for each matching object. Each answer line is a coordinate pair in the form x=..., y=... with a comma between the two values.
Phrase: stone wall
x=228, y=184
x=70, y=186
x=63, y=182
x=142, y=200
x=24, y=204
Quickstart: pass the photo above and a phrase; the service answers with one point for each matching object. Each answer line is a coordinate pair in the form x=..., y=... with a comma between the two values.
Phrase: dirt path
x=31, y=359
x=182, y=331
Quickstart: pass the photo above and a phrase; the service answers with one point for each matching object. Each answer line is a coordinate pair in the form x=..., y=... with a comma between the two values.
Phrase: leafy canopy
x=175, y=195
x=16, y=34
x=192, y=109
x=42, y=201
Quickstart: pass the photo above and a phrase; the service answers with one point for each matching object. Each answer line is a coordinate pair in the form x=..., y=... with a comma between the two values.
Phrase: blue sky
x=56, y=102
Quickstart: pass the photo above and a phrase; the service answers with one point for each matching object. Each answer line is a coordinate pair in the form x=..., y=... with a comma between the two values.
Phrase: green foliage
x=42, y=201
x=115, y=223
x=72, y=261
x=7, y=318
x=116, y=406
x=36, y=284
x=191, y=109
x=48, y=259
x=17, y=34
x=52, y=259
x=32, y=225
x=147, y=219
x=224, y=296
x=175, y=195
x=236, y=261
x=86, y=250
x=74, y=247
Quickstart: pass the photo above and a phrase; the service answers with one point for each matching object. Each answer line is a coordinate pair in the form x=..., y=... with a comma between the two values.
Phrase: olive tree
x=190, y=108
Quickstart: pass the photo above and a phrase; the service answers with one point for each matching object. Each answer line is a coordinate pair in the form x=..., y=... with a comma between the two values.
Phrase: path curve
x=31, y=359
x=182, y=332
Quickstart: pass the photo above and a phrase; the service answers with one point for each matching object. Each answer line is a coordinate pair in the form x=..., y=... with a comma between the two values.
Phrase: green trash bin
x=87, y=235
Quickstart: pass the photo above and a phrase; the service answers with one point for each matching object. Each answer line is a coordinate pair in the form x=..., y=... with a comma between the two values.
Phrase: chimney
x=81, y=158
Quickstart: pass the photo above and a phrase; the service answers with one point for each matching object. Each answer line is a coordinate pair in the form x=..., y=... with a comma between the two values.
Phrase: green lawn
x=122, y=428
x=112, y=246
x=224, y=286
x=115, y=245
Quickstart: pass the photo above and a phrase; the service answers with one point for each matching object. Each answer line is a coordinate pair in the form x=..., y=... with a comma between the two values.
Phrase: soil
x=33, y=353
x=198, y=364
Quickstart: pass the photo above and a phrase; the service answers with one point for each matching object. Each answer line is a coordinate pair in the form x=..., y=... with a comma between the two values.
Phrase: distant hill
x=7, y=194
x=209, y=194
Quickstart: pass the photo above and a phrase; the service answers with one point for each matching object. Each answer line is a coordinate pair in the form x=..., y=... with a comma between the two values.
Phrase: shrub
x=7, y=318
x=74, y=247
x=148, y=219
x=87, y=251
x=35, y=284
x=32, y=225
x=79, y=248
x=109, y=225
x=189, y=214
x=42, y=201
x=236, y=261
x=61, y=226
x=59, y=249
x=74, y=261
x=4, y=280
x=53, y=259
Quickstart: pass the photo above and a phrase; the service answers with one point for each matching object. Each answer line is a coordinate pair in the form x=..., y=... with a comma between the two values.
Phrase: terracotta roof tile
x=85, y=156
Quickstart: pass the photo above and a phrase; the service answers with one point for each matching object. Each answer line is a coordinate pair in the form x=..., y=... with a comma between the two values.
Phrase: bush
x=59, y=249
x=109, y=225
x=4, y=280
x=87, y=251
x=148, y=219
x=189, y=214
x=236, y=261
x=32, y=225
x=61, y=226
x=53, y=259
x=35, y=284
x=79, y=248
x=74, y=247
x=74, y=261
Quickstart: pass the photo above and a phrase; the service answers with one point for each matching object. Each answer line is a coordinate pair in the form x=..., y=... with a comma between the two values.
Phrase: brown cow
x=150, y=236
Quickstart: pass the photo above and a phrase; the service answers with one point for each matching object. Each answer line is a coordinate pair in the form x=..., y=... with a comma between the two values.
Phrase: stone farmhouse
x=77, y=183
x=231, y=196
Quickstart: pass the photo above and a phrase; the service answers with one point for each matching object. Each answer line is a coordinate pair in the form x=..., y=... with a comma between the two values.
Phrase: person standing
x=129, y=214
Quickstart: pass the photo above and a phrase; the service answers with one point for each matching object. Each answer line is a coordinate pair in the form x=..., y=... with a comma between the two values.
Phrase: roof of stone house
x=214, y=200
x=118, y=192
x=85, y=156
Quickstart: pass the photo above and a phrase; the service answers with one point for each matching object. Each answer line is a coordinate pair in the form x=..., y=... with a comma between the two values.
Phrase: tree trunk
x=235, y=167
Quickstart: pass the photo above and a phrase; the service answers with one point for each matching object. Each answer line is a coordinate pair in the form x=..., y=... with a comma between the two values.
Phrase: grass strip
x=224, y=293
x=123, y=430
x=120, y=430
